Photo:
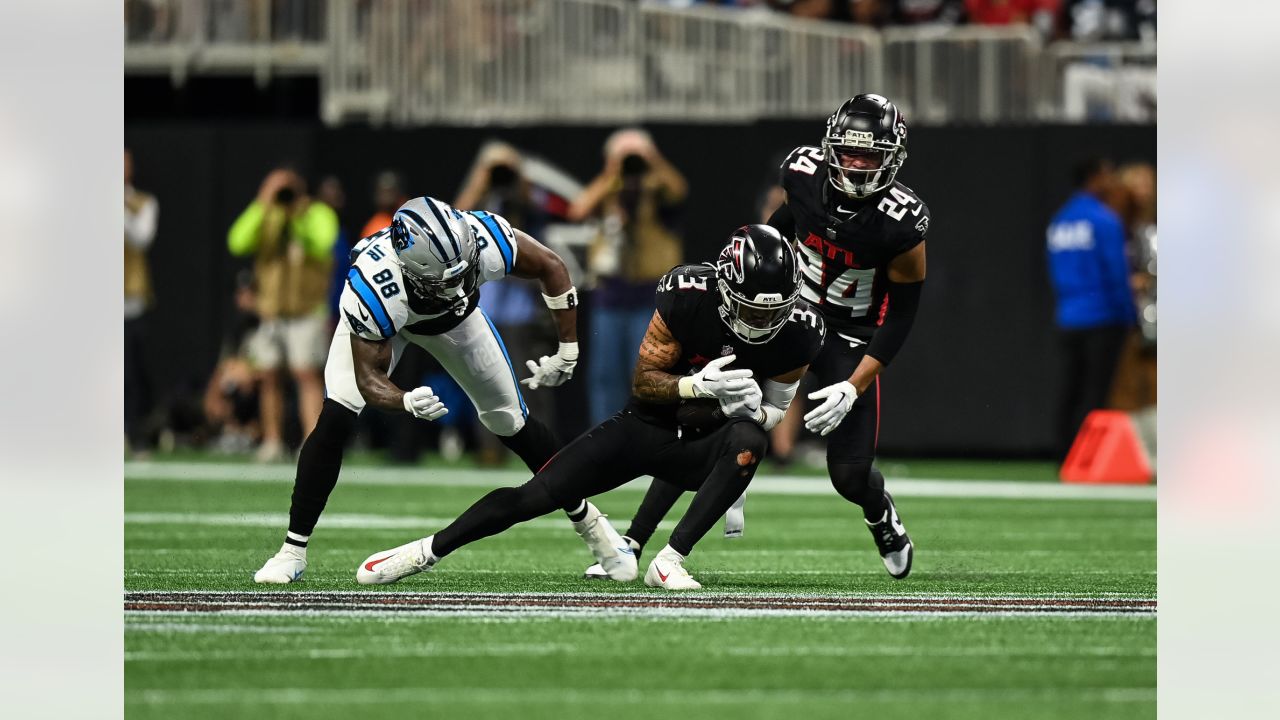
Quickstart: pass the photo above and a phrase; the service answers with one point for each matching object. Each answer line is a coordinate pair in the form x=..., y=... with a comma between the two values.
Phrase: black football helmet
x=870, y=126
x=758, y=276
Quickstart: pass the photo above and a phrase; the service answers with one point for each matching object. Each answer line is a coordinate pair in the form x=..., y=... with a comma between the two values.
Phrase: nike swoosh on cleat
x=662, y=577
x=369, y=565
x=625, y=551
x=297, y=575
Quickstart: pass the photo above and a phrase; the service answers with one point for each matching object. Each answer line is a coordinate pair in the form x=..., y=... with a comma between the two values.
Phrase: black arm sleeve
x=783, y=221
x=904, y=300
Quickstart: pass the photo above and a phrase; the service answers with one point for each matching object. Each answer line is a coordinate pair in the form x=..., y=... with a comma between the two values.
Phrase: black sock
x=579, y=512
x=874, y=505
x=319, y=463
x=658, y=501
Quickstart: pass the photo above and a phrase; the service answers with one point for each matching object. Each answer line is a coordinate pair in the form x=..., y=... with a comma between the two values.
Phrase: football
x=700, y=415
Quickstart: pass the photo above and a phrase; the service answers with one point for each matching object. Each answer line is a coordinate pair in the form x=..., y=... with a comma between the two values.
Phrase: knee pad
x=854, y=481
x=504, y=423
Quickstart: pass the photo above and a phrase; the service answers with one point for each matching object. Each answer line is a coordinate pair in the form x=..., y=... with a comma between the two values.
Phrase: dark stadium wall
x=976, y=378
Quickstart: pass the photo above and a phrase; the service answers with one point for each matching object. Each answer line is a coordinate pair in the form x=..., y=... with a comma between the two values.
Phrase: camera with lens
x=634, y=166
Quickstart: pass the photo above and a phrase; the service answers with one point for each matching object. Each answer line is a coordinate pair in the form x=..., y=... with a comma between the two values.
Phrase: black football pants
x=851, y=447
x=719, y=466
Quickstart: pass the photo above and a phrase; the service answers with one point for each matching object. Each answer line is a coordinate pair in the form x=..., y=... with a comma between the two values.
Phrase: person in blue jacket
x=1094, y=301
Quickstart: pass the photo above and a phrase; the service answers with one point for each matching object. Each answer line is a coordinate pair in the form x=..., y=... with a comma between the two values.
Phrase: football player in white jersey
x=418, y=281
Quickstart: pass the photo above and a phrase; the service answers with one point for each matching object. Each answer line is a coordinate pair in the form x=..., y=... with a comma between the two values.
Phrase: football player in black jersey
x=718, y=367
x=860, y=234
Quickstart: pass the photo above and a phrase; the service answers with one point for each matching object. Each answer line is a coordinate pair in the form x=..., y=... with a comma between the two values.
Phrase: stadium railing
x=194, y=37
x=411, y=62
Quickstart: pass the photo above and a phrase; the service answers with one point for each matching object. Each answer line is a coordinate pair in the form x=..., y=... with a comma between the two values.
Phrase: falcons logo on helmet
x=731, y=257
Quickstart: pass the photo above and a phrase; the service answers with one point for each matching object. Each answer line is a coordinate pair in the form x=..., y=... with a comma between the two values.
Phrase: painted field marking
x=615, y=696
x=765, y=484
x=386, y=604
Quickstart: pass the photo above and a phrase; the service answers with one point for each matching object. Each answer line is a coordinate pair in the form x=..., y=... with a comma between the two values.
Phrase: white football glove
x=839, y=399
x=745, y=404
x=552, y=370
x=423, y=404
x=713, y=381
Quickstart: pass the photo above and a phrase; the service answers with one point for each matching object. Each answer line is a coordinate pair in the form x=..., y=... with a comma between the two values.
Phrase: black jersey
x=688, y=302
x=846, y=245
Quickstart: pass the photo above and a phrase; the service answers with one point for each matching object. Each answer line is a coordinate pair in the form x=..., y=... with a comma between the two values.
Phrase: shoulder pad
x=496, y=240
x=373, y=303
x=688, y=278
x=804, y=164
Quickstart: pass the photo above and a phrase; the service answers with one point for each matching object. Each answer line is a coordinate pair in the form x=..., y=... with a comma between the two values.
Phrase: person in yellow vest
x=291, y=237
x=140, y=213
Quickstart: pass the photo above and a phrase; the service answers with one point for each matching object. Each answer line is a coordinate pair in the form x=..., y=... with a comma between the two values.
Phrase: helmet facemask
x=886, y=158
x=454, y=285
x=755, y=320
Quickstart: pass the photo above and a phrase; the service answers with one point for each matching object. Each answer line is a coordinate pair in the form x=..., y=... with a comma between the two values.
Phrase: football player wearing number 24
x=860, y=235
x=418, y=281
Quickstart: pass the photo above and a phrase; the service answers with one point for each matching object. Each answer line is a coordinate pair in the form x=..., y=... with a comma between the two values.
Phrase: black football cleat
x=891, y=539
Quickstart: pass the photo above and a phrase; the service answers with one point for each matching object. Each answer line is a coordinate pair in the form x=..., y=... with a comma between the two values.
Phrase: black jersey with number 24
x=689, y=303
x=846, y=246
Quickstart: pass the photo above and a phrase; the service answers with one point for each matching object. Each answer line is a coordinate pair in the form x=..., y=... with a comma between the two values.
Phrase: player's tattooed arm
x=372, y=366
x=535, y=261
x=659, y=352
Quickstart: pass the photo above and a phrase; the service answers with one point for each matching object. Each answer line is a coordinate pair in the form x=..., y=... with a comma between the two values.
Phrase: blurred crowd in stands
x=300, y=20
x=1081, y=20
x=618, y=233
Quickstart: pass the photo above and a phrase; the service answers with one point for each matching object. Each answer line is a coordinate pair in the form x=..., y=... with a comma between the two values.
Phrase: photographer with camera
x=291, y=237
x=637, y=199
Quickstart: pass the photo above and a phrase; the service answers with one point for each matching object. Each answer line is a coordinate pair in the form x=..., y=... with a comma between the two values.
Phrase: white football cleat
x=388, y=566
x=596, y=572
x=667, y=572
x=284, y=567
x=613, y=554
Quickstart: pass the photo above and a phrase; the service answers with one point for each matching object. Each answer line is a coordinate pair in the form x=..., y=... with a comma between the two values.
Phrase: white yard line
x=430, y=650
x=764, y=484
x=613, y=696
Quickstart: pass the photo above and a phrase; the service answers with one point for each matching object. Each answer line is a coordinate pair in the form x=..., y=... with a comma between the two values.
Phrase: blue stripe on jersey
x=523, y=408
x=499, y=238
x=370, y=298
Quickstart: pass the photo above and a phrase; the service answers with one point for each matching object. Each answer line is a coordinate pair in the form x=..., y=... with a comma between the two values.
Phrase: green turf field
x=1021, y=604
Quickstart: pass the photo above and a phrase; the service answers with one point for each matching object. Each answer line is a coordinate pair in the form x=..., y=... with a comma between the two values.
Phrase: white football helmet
x=437, y=251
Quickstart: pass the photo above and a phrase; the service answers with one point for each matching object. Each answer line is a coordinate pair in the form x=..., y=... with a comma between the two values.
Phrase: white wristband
x=564, y=301
x=568, y=351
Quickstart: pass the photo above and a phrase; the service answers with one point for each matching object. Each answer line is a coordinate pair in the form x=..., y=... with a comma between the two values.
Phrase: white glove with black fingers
x=713, y=381
x=552, y=370
x=423, y=404
x=745, y=404
x=836, y=399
